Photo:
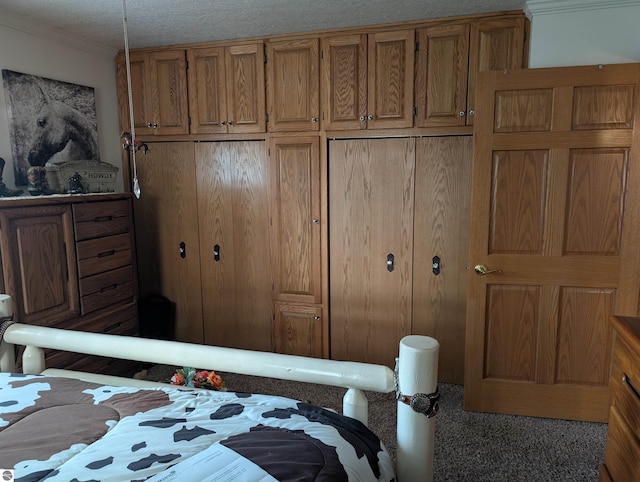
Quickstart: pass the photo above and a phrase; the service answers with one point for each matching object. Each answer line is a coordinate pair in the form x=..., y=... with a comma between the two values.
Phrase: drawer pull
x=102, y=219
x=108, y=288
x=104, y=254
x=626, y=380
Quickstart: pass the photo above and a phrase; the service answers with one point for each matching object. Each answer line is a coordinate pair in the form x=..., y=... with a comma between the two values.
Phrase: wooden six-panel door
x=371, y=190
x=554, y=223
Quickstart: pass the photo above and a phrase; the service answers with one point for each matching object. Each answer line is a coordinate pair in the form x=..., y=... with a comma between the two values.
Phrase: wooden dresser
x=622, y=451
x=69, y=262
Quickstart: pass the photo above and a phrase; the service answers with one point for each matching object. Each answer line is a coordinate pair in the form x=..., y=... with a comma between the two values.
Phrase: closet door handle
x=183, y=250
x=216, y=252
x=390, y=262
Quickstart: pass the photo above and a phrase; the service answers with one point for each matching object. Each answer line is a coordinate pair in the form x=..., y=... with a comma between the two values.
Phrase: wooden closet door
x=233, y=216
x=371, y=187
x=555, y=220
x=441, y=229
x=166, y=225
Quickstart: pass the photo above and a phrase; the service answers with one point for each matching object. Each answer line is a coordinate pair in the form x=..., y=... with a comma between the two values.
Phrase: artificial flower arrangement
x=190, y=377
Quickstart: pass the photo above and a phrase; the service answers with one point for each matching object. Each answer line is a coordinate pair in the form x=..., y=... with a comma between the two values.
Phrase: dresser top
x=629, y=329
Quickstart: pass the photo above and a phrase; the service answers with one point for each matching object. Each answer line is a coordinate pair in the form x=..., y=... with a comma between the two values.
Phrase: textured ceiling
x=166, y=22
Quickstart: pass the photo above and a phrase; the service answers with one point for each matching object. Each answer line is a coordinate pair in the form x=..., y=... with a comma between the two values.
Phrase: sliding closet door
x=441, y=247
x=371, y=189
x=234, y=243
x=166, y=222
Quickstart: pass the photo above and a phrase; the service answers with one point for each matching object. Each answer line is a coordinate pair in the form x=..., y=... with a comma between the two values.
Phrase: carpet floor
x=469, y=446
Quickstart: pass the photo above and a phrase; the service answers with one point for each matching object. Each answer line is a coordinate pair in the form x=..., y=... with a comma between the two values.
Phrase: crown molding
x=550, y=7
x=47, y=33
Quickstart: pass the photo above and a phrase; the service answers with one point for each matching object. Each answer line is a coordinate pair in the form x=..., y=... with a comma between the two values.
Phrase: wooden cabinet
x=295, y=246
x=298, y=330
x=68, y=262
x=203, y=239
x=495, y=44
x=39, y=263
x=449, y=59
x=368, y=80
x=226, y=89
x=395, y=204
x=293, y=85
x=441, y=75
x=622, y=450
x=159, y=91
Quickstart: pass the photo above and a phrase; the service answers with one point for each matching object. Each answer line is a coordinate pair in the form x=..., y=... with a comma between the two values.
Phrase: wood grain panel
x=371, y=199
x=603, y=107
x=443, y=179
x=297, y=330
x=293, y=95
x=441, y=75
x=295, y=219
x=523, y=110
x=165, y=217
x=246, y=88
x=511, y=327
x=207, y=90
x=233, y=213
x=595, y=204
x=169, y=92
x=345, y=82
x=584, y=349
x=391, y=70
x=518, y=201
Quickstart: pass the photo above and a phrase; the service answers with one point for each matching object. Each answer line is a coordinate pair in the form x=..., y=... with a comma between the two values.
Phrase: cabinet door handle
x=183, y=250
x=216, y=252
x=390, y=262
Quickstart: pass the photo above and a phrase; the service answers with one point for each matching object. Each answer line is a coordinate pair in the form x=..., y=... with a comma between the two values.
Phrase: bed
x=116, y=429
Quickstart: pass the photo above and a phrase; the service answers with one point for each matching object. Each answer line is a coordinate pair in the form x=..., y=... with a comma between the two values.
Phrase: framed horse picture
x=50, y=121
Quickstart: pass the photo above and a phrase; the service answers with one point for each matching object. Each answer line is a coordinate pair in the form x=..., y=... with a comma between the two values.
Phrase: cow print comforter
x=59, y=429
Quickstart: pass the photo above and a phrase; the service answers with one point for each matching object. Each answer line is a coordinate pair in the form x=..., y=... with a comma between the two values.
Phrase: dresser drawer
x=105, y=289
x=622, y=453
x=93, y=220
x=103, y=254
x=625, y=386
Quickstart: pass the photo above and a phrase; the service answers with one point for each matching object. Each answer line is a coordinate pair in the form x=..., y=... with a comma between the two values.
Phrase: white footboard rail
x=417, y=373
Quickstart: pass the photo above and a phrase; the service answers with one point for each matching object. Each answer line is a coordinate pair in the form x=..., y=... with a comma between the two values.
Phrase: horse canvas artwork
x=50, y=121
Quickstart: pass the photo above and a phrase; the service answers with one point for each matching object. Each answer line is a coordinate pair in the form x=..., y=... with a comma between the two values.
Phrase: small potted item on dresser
x=75, y=184
x=4, y=190
x=37, y=181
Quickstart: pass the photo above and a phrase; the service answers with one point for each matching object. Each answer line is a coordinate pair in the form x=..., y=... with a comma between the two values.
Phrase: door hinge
x=415, y=111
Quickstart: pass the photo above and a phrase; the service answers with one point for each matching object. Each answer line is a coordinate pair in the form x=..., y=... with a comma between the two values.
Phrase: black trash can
x=157, y=317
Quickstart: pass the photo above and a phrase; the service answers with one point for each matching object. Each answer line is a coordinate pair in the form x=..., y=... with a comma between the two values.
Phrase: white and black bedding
x=60, y=429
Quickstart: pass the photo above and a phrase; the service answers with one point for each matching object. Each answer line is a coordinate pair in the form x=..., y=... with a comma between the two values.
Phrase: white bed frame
x=416, y=364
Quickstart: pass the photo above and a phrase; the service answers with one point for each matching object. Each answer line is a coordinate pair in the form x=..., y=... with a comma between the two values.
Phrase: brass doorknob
x=482, y=269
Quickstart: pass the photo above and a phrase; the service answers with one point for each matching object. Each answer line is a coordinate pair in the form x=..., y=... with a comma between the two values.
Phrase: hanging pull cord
x=136, y=185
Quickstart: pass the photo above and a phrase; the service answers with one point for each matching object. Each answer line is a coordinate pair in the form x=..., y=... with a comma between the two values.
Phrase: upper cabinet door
x=441, y=75
x=293, y=95
x=169, y=92
x=158, y=91
x=207, y=90
x=391, y=59
x=496, y=44
x=245, y=88
x=140, y=66
x=344, y=82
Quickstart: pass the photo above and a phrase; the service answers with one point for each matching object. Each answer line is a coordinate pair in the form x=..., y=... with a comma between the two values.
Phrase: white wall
x=584, y=33
x=45, y=57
